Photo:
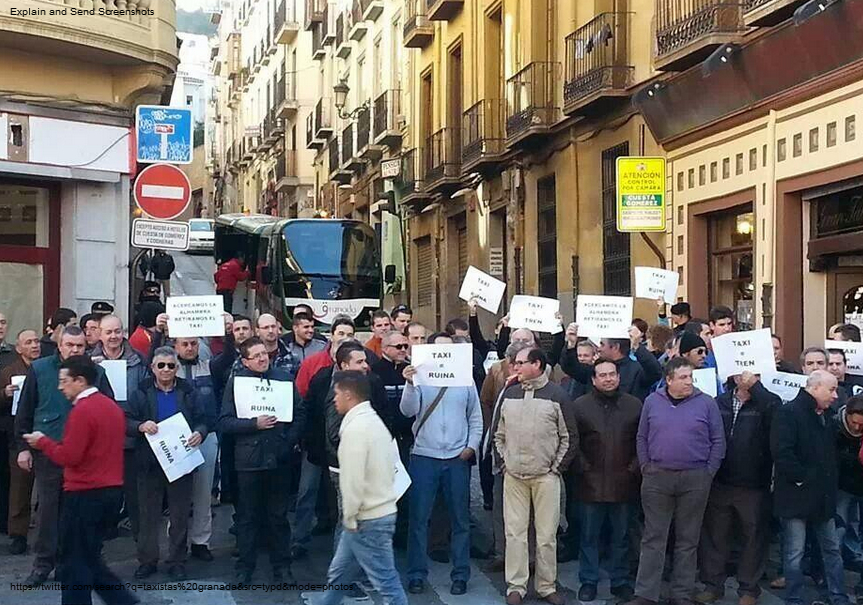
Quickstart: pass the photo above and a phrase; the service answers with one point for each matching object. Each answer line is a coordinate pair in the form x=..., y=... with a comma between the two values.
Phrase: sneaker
x=623, y=593
x=459, y=587
x=18, y=545
x=356, y=593
x=37, y=577
x=707, y=596
x=416, y=587
x=201, y=552
x=587, y=593
x=747, y=599
x=145, y=571
x=177, y=573
x=513, y=598
x=554, y=598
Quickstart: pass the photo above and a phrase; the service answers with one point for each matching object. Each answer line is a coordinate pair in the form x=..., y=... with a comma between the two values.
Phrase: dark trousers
x=263, y=495
x=573, y=512
x=486, y=480
x=596, y=515
x=49, y=492
x=82, y=570
x=20, y=488
x=4, y=485
x=152, y=487
x=130, y=490
x=228, y=298
x=679, y=497
x=750, y=508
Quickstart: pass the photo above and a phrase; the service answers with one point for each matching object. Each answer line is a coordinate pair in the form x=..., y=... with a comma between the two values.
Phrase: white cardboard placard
x=740, y=352
x=853, y=354
x=654, y=283
x=401, y=478
x=255, y=397
x=170, y=446
x=534, y=313
x=784, y=384
x=443, y=365
x=487, y=289
x=191, y=316
x=115, y=370
x=17, y=381
x=704, y=380
x=603, y=316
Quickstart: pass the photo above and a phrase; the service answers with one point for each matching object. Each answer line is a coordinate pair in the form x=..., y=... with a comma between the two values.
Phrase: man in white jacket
x=367, y=474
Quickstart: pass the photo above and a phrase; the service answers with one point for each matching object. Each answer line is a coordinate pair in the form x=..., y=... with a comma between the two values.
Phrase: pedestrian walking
x=228, y=274
x=91, y=454
x=366, y=480
x=536, y=437
x=162, y=267
x=42, y=407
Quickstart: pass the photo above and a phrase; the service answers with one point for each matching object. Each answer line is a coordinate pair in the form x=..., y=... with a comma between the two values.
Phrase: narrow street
x=193, y=274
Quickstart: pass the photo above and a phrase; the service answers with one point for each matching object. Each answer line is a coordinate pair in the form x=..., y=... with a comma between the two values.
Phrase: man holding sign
x=263, y=450
x=152, y=402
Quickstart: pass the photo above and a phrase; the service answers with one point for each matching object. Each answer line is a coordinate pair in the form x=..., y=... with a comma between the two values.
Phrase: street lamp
x=340, y=97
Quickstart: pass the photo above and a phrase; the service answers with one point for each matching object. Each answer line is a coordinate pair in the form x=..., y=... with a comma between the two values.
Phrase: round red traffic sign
x=162, y=191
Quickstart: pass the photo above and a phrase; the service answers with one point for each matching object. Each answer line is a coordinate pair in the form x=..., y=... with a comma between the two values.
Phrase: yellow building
x=517, y=112
x=72, y=73
x=765, y=166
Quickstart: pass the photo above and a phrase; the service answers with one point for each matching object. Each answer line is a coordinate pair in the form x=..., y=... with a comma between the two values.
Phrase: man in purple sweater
x=681, y=444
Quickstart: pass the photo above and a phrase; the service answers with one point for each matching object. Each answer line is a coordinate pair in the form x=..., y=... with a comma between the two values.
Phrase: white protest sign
x=704, y=380
x=190, y=316
x=487, y=290
x=740, y=352
x=17, y=381
x=853, y=354
x=534, y=313
x=115, y=370
x=784, y=384
x=401, y=478
x=654, y=284
x=255, y=397
x=603, y=316
x=443, y=365
x=172, y=451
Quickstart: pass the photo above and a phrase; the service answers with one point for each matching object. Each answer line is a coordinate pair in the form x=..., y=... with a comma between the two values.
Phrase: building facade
x=69, y=88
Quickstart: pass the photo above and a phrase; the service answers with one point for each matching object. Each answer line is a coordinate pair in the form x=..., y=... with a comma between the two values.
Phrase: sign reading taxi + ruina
x=640, y=194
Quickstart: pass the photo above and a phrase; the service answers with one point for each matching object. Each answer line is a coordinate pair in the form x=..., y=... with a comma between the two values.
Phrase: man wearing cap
x=101, y=308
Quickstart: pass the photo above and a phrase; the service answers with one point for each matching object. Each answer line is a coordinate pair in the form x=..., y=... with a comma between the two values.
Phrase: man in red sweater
x=91, y=454
x=227, y=276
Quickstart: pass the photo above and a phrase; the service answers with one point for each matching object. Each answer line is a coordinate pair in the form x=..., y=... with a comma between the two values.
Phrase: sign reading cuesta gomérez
x=640, y=194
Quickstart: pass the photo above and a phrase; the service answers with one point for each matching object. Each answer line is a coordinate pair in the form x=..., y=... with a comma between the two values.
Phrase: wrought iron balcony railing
x=532, y=100
x=387, y=110
x=484, y=136
x=696, y=24
x=443, y=155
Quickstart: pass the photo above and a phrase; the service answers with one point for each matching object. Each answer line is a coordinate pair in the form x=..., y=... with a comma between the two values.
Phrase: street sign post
x=165, y=235
x=163, y=134
x=640, y=194
x=162, y=191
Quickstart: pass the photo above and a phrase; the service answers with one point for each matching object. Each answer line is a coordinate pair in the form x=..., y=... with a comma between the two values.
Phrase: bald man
x=803, y=444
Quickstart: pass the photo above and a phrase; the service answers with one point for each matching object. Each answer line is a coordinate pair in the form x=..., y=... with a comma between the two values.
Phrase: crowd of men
x=650, y=477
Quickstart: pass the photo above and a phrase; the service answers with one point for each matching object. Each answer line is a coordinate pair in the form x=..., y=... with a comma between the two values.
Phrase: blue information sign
x=164, y=134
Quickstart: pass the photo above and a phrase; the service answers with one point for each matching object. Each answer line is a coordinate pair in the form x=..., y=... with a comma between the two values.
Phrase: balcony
x=286, y=26
x=268, y=46
x=596, y=62
x=418, y=31
x=443, y=160
x=387, y=118
x=285, y=100
x=366, y=149
x=287, y=175
x=443, y=10
x=314, y=13
x=337, y=174
x=312, y=141
x=343, y=44
x=323, y=120
x=318, y=49
x=413, y=177
x=484, y=138
x=350, y=159
x=687, y=31
x=372, y=9
x=328, y=25
x=357, y=28
x=762, y=13
x=532, y=101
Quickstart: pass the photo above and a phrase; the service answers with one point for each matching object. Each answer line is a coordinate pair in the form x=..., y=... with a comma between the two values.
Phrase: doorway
x=845, y=295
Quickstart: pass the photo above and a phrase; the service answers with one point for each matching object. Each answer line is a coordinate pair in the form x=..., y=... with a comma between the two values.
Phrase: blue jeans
x=453, y=477
x=794, y=544
x=371, y=546
x=307, y=497
x=593, y=516
x=848, y=527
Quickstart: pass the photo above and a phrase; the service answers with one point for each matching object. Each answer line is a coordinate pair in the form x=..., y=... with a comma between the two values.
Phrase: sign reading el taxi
x=640, y=194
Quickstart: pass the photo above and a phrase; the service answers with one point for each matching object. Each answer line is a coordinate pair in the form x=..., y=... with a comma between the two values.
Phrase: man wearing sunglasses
x=157, y=399
x=693, y=348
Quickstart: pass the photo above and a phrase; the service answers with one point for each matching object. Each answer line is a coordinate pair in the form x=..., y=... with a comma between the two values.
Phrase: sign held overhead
x=487, y=290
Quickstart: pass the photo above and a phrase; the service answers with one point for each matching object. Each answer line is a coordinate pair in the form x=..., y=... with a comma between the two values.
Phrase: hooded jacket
x=847, y=453
x=537, y=432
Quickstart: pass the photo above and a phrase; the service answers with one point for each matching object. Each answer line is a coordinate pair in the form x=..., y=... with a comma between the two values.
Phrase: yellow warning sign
x=640, y=194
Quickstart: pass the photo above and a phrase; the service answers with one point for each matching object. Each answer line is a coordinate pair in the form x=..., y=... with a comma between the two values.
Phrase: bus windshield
x=323, y=248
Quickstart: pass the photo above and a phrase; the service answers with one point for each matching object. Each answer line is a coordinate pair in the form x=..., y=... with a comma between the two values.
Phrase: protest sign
x=704, y=380
x=17, y=381
x=443, y=365
x=603, y=316
x=255, y=397
x=853, y=354
x=115, y=370
x=784, y=384
x=190, y=316
x=487, y=290
x=740, y=352
x=176, y=457
x=654, y=284
x=534, y=313
x=401, y=478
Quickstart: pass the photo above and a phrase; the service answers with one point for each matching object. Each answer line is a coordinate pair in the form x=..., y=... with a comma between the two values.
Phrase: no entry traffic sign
x=162, y=191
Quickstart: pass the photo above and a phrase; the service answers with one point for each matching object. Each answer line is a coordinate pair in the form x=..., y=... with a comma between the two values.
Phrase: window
x=546, y=235
x=615, y=245
x=424, y=271
x=189, y=99
x=731, y=237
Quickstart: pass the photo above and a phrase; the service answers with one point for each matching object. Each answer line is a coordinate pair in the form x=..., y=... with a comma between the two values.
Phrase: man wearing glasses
x=155, y=400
